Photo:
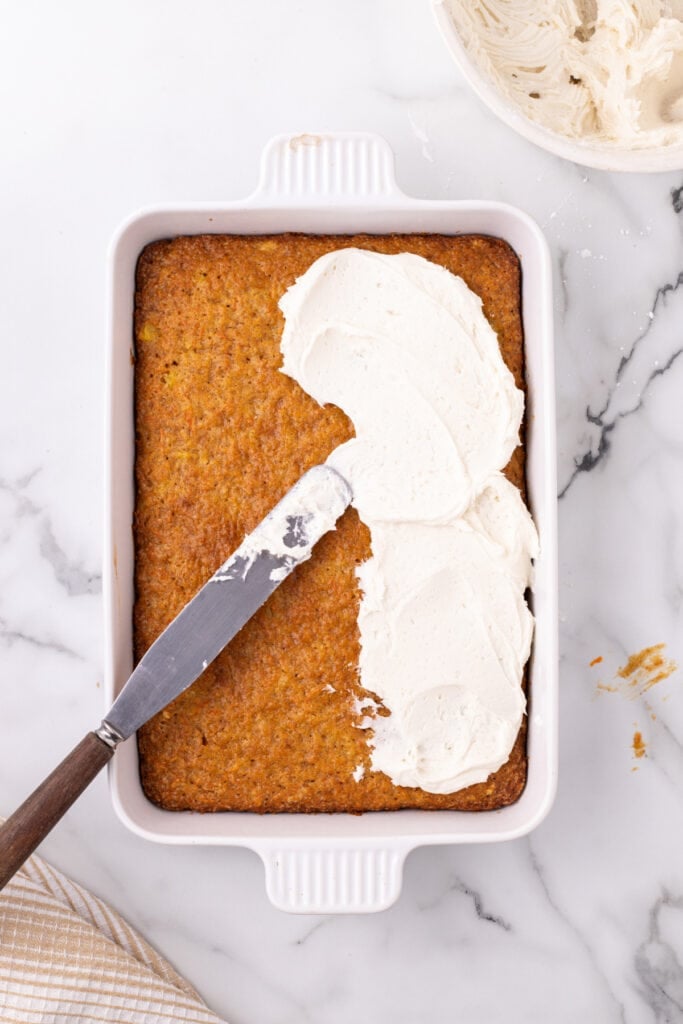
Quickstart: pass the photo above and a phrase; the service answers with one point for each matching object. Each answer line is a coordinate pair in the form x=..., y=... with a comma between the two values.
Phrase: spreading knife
x=283, y=540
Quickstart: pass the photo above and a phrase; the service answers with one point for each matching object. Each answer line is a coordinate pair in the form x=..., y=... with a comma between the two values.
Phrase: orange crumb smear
x=595, y=661
x=649, y=658
x=646, y=668
x=639, y=745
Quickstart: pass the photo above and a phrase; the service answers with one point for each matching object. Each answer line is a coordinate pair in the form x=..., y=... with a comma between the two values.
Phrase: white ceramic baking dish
x=341, y=184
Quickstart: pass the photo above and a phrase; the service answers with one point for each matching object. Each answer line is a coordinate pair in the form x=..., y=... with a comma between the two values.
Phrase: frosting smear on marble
x=605, y=71
x=403, y=347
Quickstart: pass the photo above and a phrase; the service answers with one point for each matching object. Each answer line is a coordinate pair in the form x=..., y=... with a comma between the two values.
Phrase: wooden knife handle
x=40, y=812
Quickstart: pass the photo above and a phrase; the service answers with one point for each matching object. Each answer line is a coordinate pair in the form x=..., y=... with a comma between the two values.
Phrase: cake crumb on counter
x=639, y=745
x=645, y=669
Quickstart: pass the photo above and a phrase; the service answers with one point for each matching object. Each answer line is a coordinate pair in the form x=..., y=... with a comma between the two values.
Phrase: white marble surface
x=111, y=107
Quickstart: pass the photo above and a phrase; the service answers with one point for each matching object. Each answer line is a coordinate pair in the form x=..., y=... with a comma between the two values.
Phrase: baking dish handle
x=340, y=879
x=343, y=167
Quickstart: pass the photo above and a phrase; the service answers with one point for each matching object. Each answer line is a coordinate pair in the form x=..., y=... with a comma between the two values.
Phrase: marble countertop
x=113, y=107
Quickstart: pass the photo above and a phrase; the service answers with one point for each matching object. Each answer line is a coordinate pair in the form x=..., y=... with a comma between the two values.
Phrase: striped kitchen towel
x=66, y=956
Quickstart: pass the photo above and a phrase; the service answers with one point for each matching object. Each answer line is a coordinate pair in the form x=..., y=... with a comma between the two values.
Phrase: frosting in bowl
x=403, y=347
x=601, y=71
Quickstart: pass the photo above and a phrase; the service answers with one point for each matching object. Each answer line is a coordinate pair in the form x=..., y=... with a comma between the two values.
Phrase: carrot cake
x=281, y=720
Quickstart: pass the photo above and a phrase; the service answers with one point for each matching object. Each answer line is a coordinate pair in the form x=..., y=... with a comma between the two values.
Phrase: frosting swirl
x=403, y=347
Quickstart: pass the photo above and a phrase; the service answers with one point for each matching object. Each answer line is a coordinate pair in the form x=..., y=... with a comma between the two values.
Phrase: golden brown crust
x=221, y=435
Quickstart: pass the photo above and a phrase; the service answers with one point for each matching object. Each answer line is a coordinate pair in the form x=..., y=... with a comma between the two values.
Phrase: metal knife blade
x=283, y=540
x=266, y=557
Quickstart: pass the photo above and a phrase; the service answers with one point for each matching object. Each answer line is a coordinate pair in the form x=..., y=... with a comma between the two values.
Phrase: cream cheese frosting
x=605, y=71
x=403, y=347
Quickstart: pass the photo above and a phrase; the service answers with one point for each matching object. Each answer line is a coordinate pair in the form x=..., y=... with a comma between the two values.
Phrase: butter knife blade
x=196, y=636
x=283, y=540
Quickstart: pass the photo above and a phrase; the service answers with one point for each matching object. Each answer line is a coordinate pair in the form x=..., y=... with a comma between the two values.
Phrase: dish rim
x=294, y=189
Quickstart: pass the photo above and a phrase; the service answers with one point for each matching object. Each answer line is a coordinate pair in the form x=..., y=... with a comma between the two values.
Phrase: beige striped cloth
x=66, y=956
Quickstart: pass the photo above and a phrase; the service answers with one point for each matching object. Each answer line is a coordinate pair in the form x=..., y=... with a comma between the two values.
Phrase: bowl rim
x=600, y=157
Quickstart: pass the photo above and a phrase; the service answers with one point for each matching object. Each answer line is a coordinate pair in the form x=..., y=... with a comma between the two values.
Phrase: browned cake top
x=221, y=435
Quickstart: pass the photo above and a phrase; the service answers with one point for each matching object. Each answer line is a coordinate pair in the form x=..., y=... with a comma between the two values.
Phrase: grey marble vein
x=457, y=885
x=670, y=528
x=303, y=939
x=658, y=967
x=619, y=1007
x=660, y=297
x=597, y=453
x=427, y=96
x=478, y=903
x=71, y=576
x=665, y=750
x=230, y=960
x=10, y=636
x=677, y=198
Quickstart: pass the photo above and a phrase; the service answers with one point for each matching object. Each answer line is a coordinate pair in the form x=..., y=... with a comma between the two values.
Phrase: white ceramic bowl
x=606, y=158
x=326, y=863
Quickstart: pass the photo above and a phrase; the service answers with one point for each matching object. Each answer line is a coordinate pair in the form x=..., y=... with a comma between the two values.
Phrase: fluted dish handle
x=334, y=168
x=340, y=879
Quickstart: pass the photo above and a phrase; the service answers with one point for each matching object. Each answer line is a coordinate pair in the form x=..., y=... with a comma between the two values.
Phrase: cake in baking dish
x=221, y=434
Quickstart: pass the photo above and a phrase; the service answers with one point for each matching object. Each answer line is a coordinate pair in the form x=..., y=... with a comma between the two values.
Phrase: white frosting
x=605, y=71
x=403, y=347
